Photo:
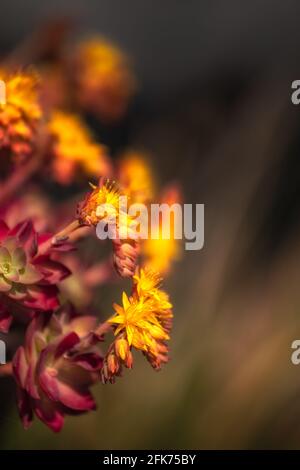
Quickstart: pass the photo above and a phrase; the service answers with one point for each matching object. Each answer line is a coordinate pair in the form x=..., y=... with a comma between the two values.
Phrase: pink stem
x=61, y=236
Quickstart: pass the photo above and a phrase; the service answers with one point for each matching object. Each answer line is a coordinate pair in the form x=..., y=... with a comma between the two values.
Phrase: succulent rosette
x=56, y=367
x=28, y=278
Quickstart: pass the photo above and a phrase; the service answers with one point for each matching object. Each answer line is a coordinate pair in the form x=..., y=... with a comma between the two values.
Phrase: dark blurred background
x=214, y=110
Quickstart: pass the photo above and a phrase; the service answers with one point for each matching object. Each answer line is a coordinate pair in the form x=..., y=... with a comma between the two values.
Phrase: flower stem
x=6, y=370
x=64, y=234
x=61, y=236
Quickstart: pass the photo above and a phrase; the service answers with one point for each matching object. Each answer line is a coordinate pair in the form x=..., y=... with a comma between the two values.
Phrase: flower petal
x=20, y=367
x=18, y=292
x=3, y=230
x=66, y=394
x=5, y=321
x=25, y=411
x=27, y=236
x=4, y=255
x=66, y=343
x=88, y=361
x=83, y=324
x=5, y=285
x=75, y=399
x=118, y=309
x=49, y=414
x=31, y=275
x=42, y=297
x=31, y=386
x=125, y=300
x=130, y=333
x=12, y=275
x=19, y=258
x=52, y=271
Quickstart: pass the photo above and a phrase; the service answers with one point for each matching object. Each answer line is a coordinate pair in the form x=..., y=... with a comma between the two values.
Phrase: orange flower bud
x=122, y=348
x=129, y=360
x=113, y=364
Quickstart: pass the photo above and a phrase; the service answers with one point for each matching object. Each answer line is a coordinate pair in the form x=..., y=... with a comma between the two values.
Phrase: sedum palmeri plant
x=46, y=284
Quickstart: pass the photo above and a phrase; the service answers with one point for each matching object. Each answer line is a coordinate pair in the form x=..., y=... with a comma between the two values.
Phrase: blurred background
x=214, y=110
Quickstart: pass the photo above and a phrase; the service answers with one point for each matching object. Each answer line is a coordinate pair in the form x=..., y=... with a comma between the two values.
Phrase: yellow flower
x=146, y=282
x=135, y=177
x=140, y=324
x=143, y=321
x=122, y=348
x=104, y=81
x=107, y=193
x=100, y=56
x=22, y=94
x=104, y=205
x=74, y=149
x=160, y=253
x=20, y=113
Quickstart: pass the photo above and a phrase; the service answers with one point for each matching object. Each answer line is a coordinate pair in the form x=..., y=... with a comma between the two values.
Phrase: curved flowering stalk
x=56, y=367
x=28, y=279
x=103, y=204
x=143, y=322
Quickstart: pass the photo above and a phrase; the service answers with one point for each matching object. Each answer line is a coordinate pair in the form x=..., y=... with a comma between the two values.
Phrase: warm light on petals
x=74, y=150
x=136, y=178
x=142, y=322
x=21, y=113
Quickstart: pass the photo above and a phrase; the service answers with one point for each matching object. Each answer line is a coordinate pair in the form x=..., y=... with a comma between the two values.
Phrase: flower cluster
x=161, y=252
x=136, y=178
x=143, y=322
x=73, y=149
x=103, y=80
x=103, y=205
x=20, y=114
x=47, y=279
